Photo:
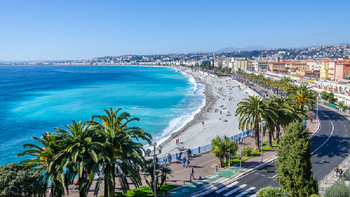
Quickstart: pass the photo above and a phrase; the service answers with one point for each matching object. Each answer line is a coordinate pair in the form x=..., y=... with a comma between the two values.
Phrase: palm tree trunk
x=109, y=184
x=256, y=134
x=277, y=135
x=52, y=190
x=105, y=185
x=270, y=139
x=81, y=191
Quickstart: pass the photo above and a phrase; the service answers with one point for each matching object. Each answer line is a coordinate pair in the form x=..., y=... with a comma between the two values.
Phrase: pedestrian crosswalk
x=237, y=190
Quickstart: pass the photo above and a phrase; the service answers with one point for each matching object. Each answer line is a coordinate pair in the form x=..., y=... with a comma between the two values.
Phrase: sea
x=35, y=99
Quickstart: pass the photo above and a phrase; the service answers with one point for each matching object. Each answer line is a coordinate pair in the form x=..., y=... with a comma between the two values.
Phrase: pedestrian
x=50, y=193
x=336, y=170
x=340, y=172
x=188, y=162
x=169, y=157
x=192, y=173
x=184, y=161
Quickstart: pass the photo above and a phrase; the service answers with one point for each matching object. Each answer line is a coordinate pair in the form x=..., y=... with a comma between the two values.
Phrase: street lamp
x=261, y=125
x=154, y=171
x=229, y=159
x=317, y=107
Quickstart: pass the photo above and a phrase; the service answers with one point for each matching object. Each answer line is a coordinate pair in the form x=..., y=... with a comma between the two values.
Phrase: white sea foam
x=192, y=80
x=179, y=122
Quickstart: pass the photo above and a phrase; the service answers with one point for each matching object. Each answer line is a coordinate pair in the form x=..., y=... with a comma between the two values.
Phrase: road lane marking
x=328, y=137
x=273, y=176
x=227, y=186
x=233, y=191
x=246, y=192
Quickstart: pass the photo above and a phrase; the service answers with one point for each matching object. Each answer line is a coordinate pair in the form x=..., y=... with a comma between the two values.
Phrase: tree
x=160, y=176
x=301, y=97
x=339, y=189
x=293, y=162
x=271, y=192
x=229, y=145
x=250, y=112
x=119, y=148
x=43, y=161
x=220, y=146
x=16, y=181
x=80, y=153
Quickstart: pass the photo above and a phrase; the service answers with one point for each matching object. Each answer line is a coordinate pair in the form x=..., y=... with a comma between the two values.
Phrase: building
x=276, y=66
x=205, y=62
x=263, y=66
x=240, y=64
x=324, y=70
x=341, y=71
x=250, y=65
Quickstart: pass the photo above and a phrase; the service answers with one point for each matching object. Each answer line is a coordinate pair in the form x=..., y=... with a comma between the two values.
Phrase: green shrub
x=338, y=190
x=248, y=151
x=314, y=195
x=271, y=192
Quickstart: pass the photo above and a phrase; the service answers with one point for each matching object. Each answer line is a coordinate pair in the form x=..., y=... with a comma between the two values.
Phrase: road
x=329, y=149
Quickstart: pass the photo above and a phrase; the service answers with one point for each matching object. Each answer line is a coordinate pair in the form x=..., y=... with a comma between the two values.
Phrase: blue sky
x=69, y=30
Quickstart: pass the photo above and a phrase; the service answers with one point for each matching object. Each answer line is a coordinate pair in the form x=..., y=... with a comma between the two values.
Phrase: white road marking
x=227, y=186
x=233, y=191
x=273, y=176
x=220, y=179
x=327, y=138
x=254, y=195
x=246, y=192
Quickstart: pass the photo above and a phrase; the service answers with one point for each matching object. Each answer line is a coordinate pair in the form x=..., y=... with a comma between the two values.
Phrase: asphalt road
x=329, y=148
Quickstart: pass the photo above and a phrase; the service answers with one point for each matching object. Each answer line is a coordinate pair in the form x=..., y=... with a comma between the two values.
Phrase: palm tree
x=160, y=173
x=301, y=97
x=232, y=146
x=218, y=149
x=119, y=149
x=284, y=82
x=80, y=153
x=43, y=161
x=250, y=112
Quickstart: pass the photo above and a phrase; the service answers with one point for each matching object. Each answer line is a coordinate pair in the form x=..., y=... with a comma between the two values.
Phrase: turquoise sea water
x=34, y=99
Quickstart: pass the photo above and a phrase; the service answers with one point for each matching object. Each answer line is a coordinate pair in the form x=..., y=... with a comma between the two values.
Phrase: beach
x=216, y=117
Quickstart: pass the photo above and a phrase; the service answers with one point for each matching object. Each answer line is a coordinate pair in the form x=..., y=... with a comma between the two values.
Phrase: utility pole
x=154, y=171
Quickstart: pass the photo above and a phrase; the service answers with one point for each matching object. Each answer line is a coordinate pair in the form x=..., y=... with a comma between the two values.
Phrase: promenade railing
x=198, y=150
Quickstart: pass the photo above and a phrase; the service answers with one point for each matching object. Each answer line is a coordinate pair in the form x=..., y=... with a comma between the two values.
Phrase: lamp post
x=229, y=159
x=261, y=125
x=154, y=171
x=317, y=107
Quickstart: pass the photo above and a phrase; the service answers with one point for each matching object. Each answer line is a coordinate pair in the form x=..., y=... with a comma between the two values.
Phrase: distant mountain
x=248, y=48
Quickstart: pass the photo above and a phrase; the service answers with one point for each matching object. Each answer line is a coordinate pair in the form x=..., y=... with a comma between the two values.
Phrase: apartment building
x=240, y=64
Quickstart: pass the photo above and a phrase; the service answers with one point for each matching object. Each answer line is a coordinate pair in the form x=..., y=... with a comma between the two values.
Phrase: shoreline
x=195, y=118
x=195, y=133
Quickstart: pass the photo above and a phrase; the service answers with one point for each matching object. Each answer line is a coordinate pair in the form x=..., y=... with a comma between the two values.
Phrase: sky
x=73, y=30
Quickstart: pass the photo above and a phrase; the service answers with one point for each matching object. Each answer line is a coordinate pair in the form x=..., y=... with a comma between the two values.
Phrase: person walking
x=336, y=170
x=192, y=173
x=169, y=157
x=188, y=162
x=184, y=161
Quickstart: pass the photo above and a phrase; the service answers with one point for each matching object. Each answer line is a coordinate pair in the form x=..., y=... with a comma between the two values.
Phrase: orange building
x=342, y=70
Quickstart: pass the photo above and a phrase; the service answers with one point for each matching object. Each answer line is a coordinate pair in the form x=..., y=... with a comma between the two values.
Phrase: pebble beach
x=217, y=117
